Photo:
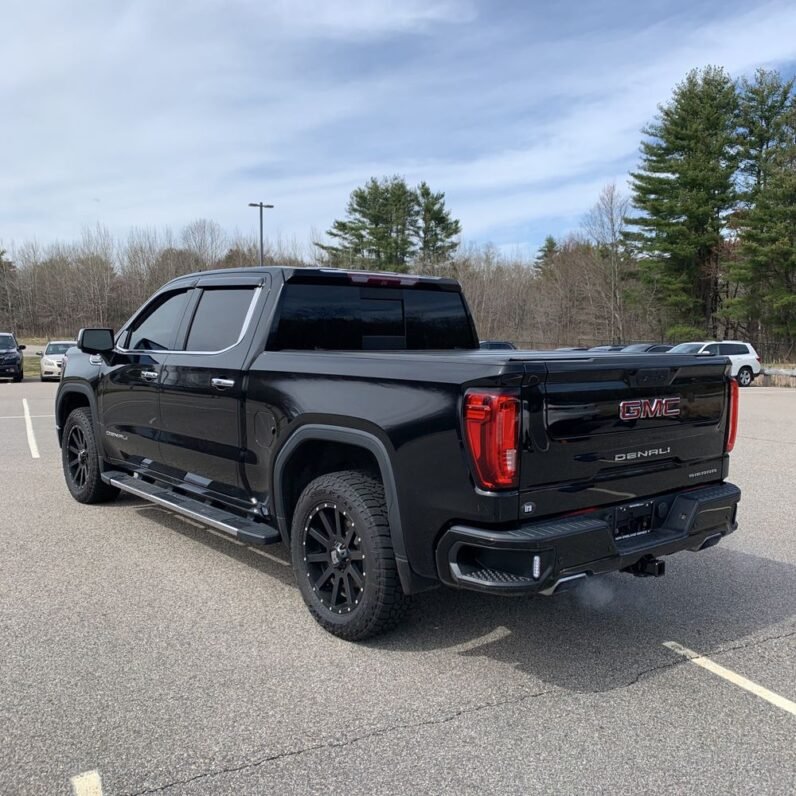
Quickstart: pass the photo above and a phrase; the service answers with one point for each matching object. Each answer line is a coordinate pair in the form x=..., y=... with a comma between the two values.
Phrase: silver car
x=52, y=360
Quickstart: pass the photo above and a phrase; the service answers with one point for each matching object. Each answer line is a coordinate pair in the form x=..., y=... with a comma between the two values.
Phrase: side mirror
x=95, y=341
x=40, y=353
x=21, y=347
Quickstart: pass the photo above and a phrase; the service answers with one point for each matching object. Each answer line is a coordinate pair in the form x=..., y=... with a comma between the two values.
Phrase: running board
x=249, y=531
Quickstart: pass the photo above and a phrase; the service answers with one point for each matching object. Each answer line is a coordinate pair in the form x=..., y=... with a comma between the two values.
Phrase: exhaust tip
x=563, y=584
x=710, y=541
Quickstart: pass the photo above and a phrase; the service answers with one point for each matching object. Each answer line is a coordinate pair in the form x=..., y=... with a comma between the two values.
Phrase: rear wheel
x=343, y=556
x=81, y=462
x=745, y=377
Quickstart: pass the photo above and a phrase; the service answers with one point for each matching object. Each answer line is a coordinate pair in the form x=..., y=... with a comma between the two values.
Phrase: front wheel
x=343, y=556
x=19, y=376
x=81, y=461
x=745, y=377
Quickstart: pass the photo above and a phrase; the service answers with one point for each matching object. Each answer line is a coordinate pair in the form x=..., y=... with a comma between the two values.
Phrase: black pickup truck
x=352, y=416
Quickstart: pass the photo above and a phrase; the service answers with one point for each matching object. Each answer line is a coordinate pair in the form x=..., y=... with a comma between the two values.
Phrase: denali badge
x=649, y=407
x=633, y=455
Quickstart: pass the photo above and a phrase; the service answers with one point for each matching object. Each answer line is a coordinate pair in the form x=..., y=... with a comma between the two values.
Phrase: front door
x=128, y=393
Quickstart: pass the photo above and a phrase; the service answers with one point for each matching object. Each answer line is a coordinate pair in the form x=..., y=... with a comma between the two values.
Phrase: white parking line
x=87, y=784
x=732, y=677
x=34, y=448
x=21, y=417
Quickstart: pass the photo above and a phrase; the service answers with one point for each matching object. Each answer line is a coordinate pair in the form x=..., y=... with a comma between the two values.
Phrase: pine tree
x=390, y=226
x=768, y=246
x=764, y=105
x=435, y=228
x=378, y=230
x=547, y=252
x=684, y=189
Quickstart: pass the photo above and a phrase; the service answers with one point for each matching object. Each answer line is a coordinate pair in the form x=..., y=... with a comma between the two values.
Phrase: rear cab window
x=333, y=316
x=219, y=318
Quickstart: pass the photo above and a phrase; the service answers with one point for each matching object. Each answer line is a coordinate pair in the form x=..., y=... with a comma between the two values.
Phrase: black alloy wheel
x=341, y=546
x=335, y=560
x=77, y=456
x=80, y=458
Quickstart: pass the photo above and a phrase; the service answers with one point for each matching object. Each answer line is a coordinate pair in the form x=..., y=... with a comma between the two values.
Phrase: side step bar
x=249, y=531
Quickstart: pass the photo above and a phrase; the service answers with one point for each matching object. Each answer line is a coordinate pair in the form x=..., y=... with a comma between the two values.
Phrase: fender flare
x=86, y=391
x=349, y=436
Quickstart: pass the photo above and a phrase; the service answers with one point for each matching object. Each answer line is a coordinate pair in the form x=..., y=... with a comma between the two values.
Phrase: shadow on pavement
x=607, y=633
x=601, y=636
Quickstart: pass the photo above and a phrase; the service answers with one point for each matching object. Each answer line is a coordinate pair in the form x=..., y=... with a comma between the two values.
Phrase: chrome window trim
x=245, y=328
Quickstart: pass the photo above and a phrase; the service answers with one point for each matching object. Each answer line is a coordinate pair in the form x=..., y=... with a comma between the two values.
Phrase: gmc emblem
x=649, y=407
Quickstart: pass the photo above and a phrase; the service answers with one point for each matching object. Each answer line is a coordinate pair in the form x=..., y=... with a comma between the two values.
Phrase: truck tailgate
x=620, y=427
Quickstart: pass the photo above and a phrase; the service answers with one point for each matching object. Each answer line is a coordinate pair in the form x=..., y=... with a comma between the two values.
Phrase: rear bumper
x=549, y=555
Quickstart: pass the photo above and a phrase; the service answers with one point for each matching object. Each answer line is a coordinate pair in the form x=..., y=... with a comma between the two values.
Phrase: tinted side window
x=733, y=349
x=713, y=348
x=219, y=318
x=157, y=329
x=352, y=318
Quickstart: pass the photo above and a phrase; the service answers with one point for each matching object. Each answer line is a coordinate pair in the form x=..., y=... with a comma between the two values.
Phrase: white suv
x=745, y=363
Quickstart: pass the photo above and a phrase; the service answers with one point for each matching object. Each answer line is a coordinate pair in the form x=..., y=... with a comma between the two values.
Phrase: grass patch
x=31, y=367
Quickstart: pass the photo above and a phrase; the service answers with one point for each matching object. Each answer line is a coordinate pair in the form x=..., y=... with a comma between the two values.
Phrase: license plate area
x=635, y=519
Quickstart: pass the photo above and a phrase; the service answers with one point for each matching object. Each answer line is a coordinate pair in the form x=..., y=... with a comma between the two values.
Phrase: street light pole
x=262, y=207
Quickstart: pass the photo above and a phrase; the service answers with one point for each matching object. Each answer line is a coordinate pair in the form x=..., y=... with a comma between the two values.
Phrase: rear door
x=128, y=390
x=203, y=387
x=740, y=357
x=617, y=427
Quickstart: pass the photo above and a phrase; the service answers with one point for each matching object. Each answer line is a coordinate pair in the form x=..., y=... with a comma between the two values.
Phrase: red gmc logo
x=649, y=407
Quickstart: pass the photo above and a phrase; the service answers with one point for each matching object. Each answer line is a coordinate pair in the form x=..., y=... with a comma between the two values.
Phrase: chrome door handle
x=149, y=375
x=222, y=384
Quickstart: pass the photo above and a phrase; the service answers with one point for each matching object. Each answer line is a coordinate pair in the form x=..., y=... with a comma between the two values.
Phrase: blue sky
x=151, y=113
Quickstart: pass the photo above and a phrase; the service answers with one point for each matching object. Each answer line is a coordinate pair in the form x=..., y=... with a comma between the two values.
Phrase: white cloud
x=146, y=113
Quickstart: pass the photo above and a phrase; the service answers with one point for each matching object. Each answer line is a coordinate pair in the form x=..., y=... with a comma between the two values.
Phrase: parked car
x=745, y=361
x=52, y=359
x=606, y=348
x=352, y=417
x=11, y=363
x=647, y=348
x=497, y=345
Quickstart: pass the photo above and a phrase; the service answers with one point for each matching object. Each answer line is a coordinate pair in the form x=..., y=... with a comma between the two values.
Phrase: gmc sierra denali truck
x=352, y=416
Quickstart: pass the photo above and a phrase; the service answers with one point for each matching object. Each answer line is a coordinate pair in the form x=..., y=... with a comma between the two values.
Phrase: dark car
x=352, y=417
x=497, y=345
x=647, y=348
x=11, y=363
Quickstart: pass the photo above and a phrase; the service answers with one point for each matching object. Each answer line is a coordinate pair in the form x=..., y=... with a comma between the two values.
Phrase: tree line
x=704, y=245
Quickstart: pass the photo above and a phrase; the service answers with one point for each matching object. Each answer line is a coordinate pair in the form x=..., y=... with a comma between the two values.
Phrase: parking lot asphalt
x=168, y=659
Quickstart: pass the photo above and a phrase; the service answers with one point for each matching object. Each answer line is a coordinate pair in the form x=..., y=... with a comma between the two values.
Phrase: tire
x=19, y=376
x=81, y=462
x=745, y=377
x=340, y=521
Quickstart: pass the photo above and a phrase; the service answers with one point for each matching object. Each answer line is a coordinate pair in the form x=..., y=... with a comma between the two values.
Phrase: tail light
x=492, y=431
x=732, y=416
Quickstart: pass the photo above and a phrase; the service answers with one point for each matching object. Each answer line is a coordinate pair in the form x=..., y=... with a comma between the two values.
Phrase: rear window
x=332, y=317
x=219, y=318
x=733, y=349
